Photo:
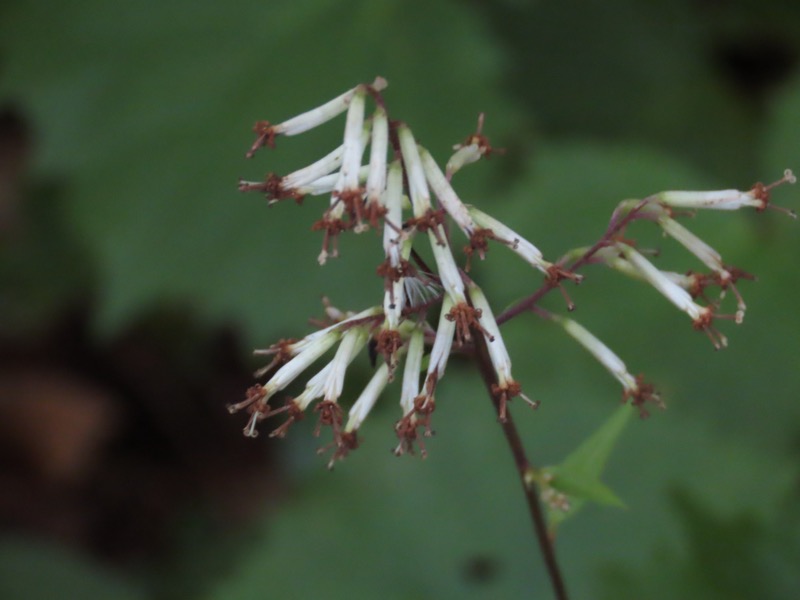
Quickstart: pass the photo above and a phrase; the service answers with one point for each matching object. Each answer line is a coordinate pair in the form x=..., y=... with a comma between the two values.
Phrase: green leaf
x=578, y=476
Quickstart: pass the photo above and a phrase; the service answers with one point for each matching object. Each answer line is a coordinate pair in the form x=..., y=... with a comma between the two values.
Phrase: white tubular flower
x=506, y=387
x=324, y=113
x=352, y=342
x=446, y=194
x=393, y=200
x=324, y=166
x=353, y=146
x=363, y=405
x=411, y=370
x=701, y=316
x=417, y=186
x=498, y=354
x=394, y=298
x=464, y=155
x=670, y=290
x=600, y=351
x=757, y=197
x=686, y=281
x=442, y=344
x=632, y=387
x=315, y=388
x=473, y=149
x=328, y=184
x=376, y=180
x=504, y=234
x=707, y=255
x=447, y=268
x=307, y=356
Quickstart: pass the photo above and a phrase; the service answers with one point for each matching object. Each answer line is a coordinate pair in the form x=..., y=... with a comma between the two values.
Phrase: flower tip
x=379, y=84
x=789, y=177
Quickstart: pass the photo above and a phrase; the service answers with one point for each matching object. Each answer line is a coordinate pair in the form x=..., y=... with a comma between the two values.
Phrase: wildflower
x=632, y=387
x=506, y=387
x=410, y=194
x=308, y=120
x=507, y=236
x=702, y=316
x=708, y=256
x=406, y=428
x=472, y=150
x=758, y=197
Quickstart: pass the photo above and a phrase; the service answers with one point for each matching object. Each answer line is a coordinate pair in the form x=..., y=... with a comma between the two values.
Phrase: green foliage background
x=144, y=110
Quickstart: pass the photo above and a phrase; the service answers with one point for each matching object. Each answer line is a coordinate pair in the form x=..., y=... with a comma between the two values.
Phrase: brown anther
x=282, y=350
x=430, y=221
x=266, y=137
x=353, y=201
x=480, y=140
x=392, y=274
x=704, y=323
x=478, y=242
x=295, y=414
x=254, y=396
x=406, y=430
x=387, y=343
x=373, y=213
x=505, y=393
x=330, y=414
x=761, y=193
x=555, y=275
x=395, y=273
x=332, y=229
x=466, y=317
x=347, y=441
x=273, y=189
x=645, y=392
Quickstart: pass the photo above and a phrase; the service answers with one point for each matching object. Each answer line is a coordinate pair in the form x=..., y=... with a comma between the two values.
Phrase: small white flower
x=353, y=146
x=498, y=354
x=369, y=396
x=324, y=113
x=527, y=251
x=600, y=351
x=442, y=344
x=449, y=273
x=633, y=387
x=446, y=194
x=507, y=387
x=757, y=197
x=417, y=186
x=328, y=184
x=411, y=370
x=394, y=297
x=669, y=289
x=376, y=181
x=702, y=316
x=464, y=155
x=324, y=166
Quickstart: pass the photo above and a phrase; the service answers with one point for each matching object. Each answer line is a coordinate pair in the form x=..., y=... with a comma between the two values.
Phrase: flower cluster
x=400, y=191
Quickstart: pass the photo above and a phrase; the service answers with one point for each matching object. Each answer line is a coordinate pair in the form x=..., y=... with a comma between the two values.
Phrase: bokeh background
x=136, y=280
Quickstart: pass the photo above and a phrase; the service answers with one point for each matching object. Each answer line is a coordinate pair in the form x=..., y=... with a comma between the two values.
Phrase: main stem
x=524, y=469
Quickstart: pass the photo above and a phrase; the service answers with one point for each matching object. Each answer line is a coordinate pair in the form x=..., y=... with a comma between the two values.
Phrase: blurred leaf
x=35, y=571
x=151, y=114
x=578, y=476
x=720, y=557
